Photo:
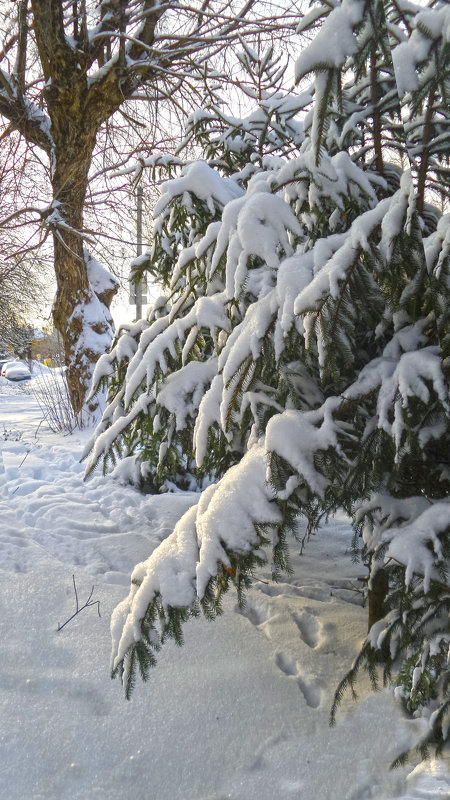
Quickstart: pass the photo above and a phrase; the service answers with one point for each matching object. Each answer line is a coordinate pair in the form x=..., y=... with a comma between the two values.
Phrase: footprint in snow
x=311, y=688
x=309, y=627
x=320, y=593
x=256, y=612
x=278, y=589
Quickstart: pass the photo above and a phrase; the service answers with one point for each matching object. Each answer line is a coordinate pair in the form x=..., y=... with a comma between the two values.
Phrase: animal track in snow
x=263, y=613
x=309, y=627
x=320, y=593
x=312, y=691
x=311, y=688
x=278, y=589
x=256, y=612
x=286, y=664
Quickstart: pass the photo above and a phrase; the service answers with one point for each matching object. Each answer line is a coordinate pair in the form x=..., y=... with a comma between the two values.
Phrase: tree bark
x=425, y=154
x=80, y=314
x=379, y=586
x=376, y=116
x=63, y=119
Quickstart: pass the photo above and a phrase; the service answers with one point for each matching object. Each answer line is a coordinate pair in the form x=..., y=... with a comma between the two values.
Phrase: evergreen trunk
x=379, y=587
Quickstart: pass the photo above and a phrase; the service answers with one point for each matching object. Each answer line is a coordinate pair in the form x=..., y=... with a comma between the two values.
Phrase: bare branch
x=79, y=608
x=22, y=47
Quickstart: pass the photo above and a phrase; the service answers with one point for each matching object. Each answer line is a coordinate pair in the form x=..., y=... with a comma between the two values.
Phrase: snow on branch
x=409, y=57
x=207, y=312
x=419, y=547
x=203, y=182
x=206, y=546
x=327, y=281
x=334, y=42
x=299, y=436
x=183, y=390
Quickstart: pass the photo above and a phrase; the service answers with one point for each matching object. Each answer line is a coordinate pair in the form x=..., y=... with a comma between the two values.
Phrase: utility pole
x=138, y=286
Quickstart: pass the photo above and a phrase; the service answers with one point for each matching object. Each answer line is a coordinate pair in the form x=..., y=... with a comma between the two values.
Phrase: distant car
x=15, y=371
x=4, y=360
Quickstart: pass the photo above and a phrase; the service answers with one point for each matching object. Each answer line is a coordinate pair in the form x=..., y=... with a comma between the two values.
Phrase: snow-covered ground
x=241, y=711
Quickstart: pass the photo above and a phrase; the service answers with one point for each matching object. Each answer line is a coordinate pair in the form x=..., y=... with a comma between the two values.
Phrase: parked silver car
x=4, y=360
x=15, y=371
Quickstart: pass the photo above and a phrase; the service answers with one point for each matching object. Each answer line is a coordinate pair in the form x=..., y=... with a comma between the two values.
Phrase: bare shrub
x=52, y=395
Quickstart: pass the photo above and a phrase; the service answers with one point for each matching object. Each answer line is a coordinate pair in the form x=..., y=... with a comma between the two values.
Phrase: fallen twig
x=78, y=608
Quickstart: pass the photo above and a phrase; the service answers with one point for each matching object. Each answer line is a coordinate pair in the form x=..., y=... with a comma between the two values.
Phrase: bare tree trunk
x=80, y=314
x=81, y=311
x=63, y=116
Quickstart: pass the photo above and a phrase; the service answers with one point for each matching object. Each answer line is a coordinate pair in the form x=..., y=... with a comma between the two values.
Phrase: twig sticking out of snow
x=78, y=608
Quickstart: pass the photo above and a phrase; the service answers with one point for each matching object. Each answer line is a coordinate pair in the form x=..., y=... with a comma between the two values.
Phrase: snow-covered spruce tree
x=330, y=385
x=158, y=369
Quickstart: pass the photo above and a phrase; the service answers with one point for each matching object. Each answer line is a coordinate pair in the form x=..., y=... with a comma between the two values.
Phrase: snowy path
x=240, y=712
